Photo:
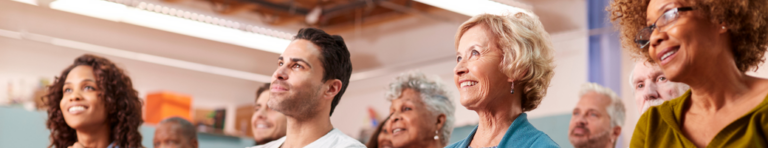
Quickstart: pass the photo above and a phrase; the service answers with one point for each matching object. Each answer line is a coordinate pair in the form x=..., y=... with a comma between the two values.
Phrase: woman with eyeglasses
x=709, y=45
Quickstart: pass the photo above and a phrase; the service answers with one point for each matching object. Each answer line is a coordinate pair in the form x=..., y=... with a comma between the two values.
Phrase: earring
x=436, y=137
x=723, y=27
x=513, y=88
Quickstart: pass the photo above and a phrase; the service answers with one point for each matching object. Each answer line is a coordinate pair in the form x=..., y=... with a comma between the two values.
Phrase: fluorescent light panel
x=31, y=2
x=122, y=13
x=137, y=56
x=474, y=7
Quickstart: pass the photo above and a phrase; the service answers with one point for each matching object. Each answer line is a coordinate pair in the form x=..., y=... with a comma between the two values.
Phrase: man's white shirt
x=333, y=139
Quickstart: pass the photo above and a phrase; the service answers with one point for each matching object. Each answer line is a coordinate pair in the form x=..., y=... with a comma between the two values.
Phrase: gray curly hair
x=433, y=94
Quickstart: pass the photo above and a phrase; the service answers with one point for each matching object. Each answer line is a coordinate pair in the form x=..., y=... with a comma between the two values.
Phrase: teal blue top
x=520, y=134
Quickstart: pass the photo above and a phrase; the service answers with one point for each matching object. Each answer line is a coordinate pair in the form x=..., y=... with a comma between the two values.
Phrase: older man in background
x=597, y=119
x=175, y=132
x=651, y=87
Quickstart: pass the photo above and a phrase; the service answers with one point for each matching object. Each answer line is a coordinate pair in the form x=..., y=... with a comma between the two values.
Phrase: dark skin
x=720, y=92
x=411, y=124
x=80, y=90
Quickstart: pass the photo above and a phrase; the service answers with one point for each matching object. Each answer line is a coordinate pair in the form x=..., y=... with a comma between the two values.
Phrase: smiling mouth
x=397, y=130
x=76, y=109
x=669, y=53
x=468, y=83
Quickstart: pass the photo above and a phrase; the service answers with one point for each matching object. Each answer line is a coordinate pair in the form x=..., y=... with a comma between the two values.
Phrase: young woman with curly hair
x=709, y=45
x=93, y=105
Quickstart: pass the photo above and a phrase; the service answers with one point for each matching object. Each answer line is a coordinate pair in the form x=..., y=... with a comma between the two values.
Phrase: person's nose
x=395, y=118
x=658, y=37
x=261, y=113
x=280, y=74
x=581, y=120
x=460, y=68
x=651, y=92
x=75, y=96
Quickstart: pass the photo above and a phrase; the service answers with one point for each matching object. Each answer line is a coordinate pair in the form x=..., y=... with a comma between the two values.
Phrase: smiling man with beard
x=597, y=119
x=311, y=76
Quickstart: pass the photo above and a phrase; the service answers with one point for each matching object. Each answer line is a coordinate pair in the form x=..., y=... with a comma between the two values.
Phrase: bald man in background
x=175, y=132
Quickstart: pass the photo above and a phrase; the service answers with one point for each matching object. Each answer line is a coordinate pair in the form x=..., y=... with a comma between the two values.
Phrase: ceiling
x=381, y=34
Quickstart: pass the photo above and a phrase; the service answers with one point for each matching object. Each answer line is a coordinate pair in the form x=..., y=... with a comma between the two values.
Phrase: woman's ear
x=440, y=121
x=723, y=28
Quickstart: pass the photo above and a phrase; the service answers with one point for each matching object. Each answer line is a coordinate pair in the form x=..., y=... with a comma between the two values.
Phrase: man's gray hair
x=433, y=94
x=183, y=126
x=615, y=109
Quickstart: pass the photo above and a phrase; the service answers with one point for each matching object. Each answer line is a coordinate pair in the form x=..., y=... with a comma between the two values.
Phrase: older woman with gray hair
x=421, y=112
x=504, y=66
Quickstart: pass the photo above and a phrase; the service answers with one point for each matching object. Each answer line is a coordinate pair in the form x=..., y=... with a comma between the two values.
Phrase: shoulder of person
x=271, y=144
x=544, y=141
x=342, y=140
x=456, y=144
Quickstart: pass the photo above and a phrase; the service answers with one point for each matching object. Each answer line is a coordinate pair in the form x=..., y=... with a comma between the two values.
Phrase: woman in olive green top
x=709, y=45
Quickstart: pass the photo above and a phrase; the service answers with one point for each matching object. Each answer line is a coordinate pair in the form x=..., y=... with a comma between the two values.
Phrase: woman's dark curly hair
x=746, y=20
x=121, y=102
x=373, y=142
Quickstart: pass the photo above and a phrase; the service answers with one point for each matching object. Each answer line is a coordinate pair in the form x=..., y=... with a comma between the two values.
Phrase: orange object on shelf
x=161, y=105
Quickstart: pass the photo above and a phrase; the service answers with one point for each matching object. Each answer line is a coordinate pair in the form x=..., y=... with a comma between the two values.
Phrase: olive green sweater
x=660, y=127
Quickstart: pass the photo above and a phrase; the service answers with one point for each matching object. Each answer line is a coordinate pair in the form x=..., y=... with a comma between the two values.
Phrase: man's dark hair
x=335, y=58
x=181, y=125
x=262, y=89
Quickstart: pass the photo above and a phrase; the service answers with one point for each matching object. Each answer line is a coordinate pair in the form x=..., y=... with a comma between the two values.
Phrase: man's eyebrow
x=297, y=60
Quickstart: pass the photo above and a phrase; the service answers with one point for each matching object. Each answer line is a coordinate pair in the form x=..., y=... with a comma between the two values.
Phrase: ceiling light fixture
x=136, y=56
x=179, y=21
x=474, y=7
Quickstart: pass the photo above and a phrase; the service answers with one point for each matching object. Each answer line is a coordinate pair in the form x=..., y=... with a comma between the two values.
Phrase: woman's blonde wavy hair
x=527, y=52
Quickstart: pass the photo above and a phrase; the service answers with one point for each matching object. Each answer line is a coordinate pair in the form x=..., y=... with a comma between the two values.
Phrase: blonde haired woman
x=504, y=68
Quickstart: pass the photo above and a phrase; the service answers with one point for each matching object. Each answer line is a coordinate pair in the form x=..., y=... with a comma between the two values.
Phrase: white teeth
x=468, y=83
x=76, y=108
x=396, y=130
x=261, y=126
x=667, y=54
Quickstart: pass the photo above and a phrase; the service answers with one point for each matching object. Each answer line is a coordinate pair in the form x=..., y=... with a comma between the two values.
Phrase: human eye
x=297, y=66
x=407, y=108
x=89, y=88
x=662, y=79
x=458, y=59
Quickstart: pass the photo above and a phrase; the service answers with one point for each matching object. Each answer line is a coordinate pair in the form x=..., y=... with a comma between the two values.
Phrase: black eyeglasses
x=670, y=16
